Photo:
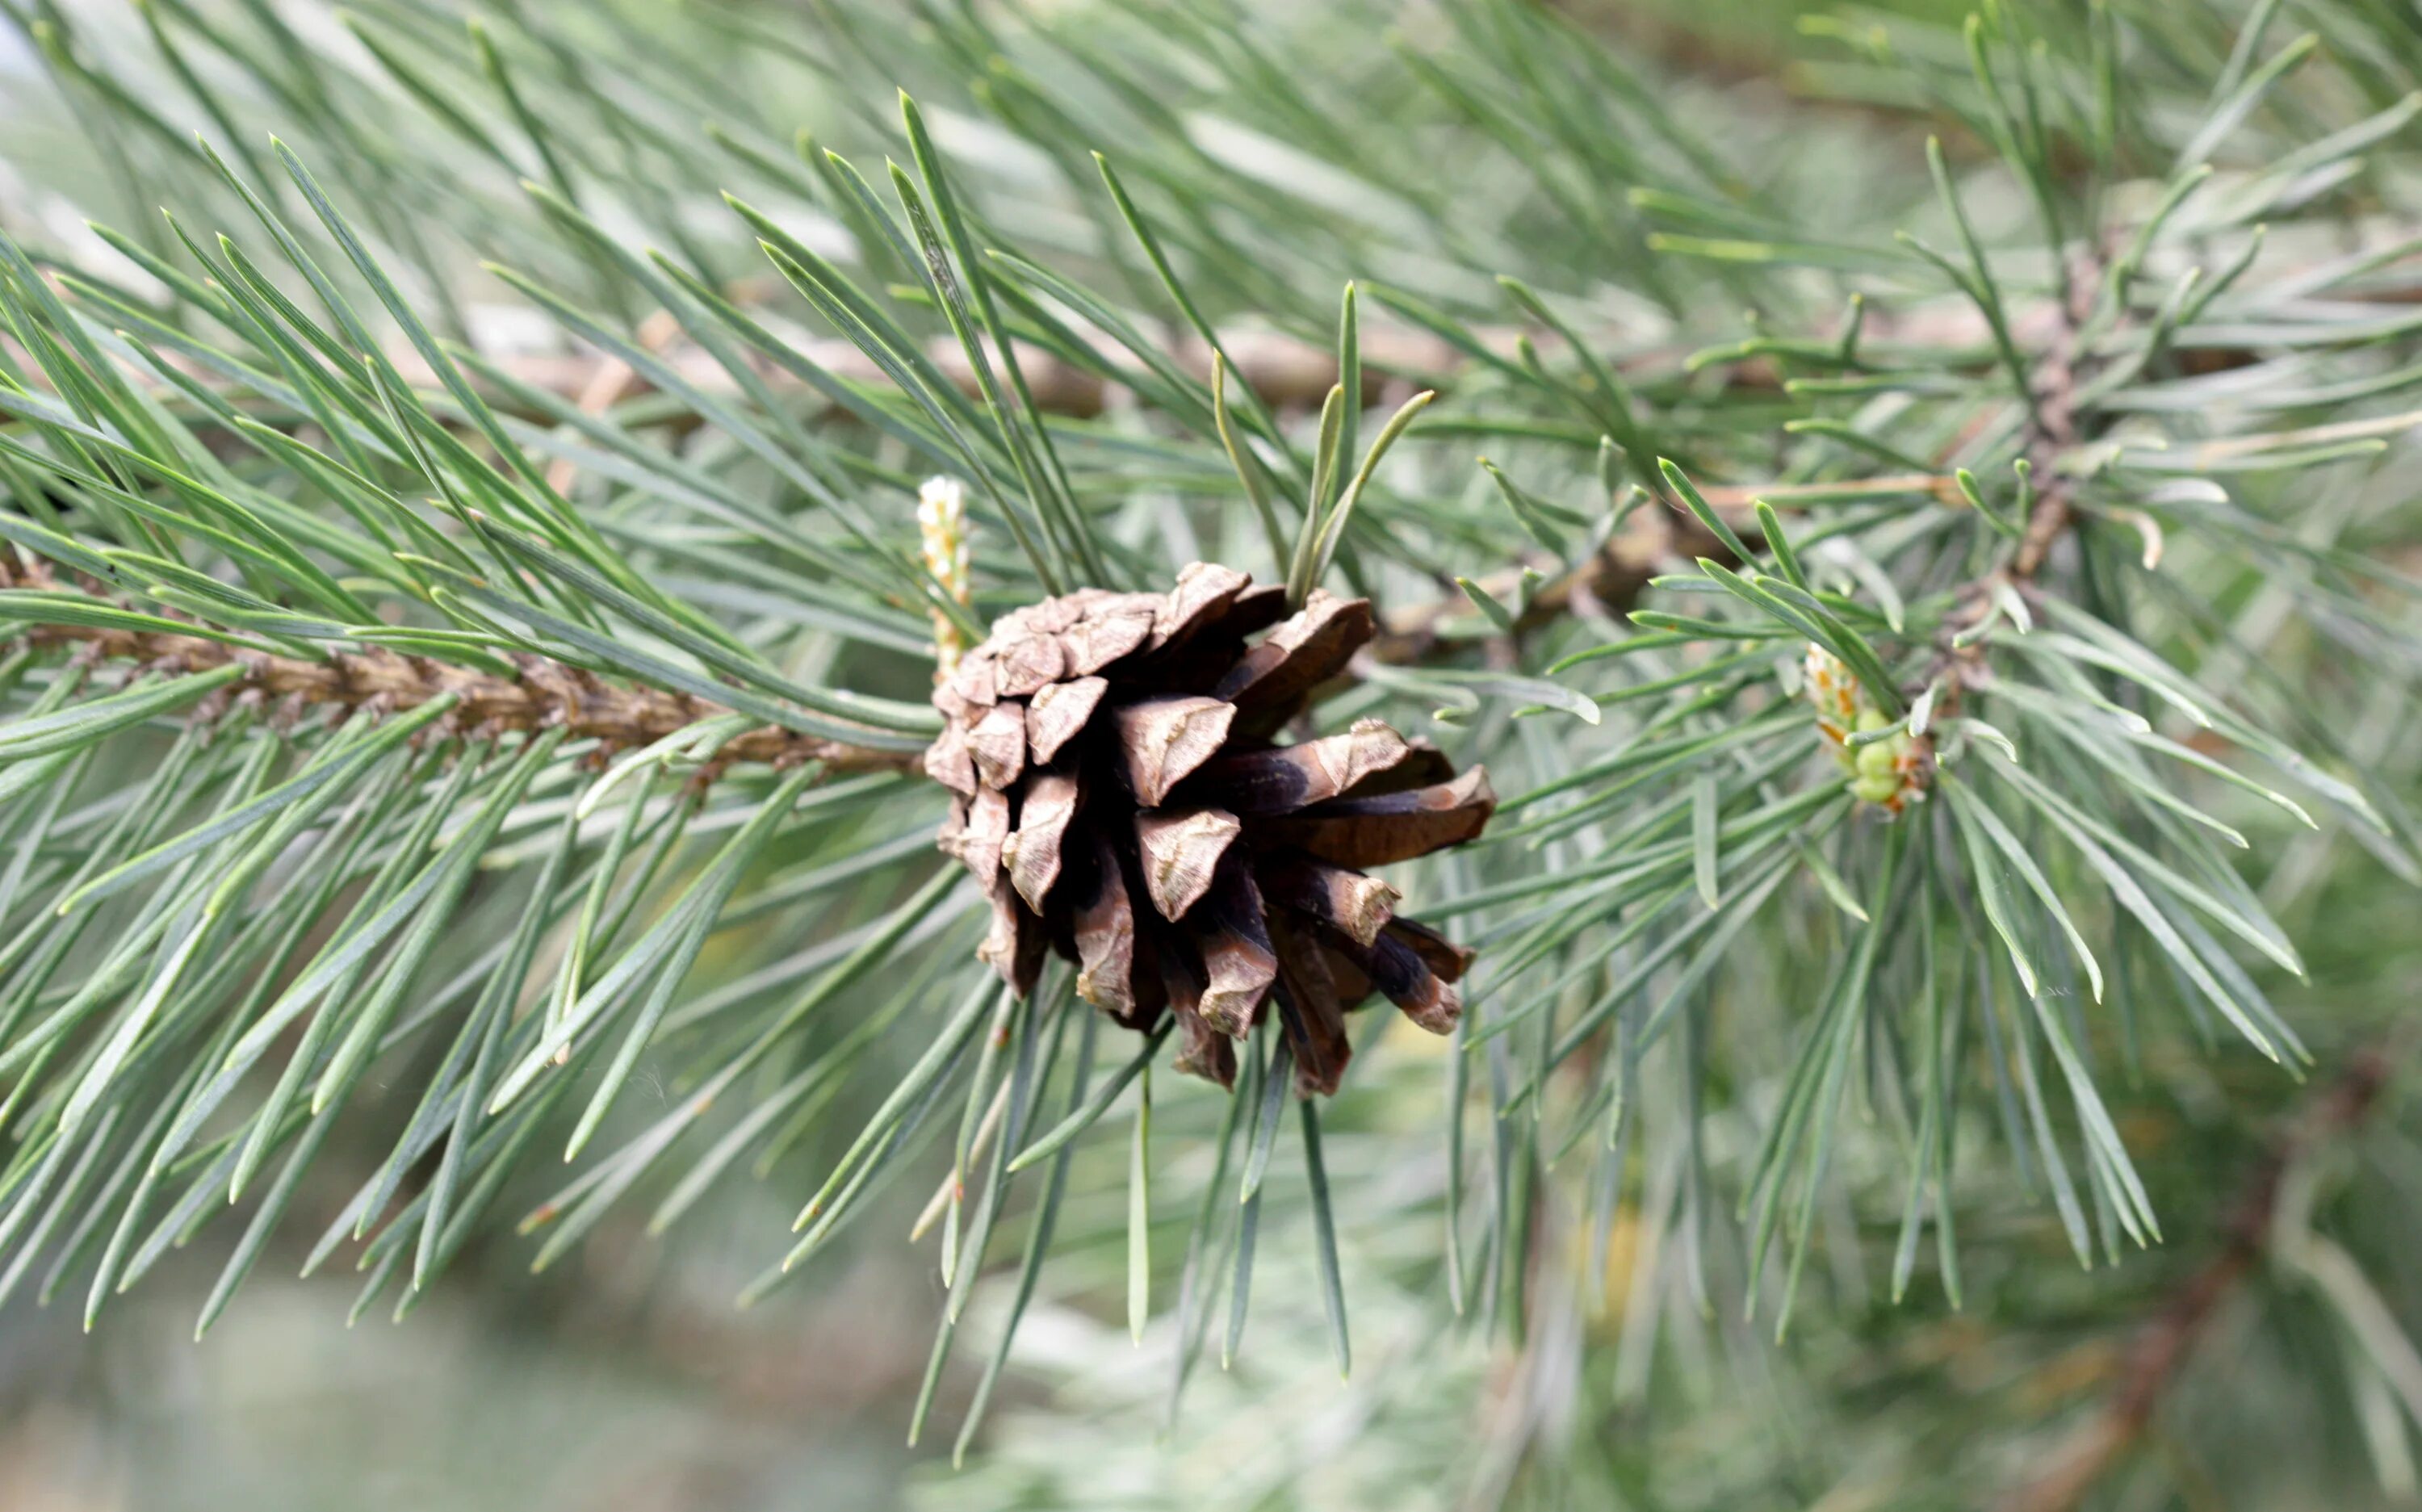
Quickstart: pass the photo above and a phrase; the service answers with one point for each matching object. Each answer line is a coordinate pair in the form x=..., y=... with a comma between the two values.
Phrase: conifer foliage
x=514, y=548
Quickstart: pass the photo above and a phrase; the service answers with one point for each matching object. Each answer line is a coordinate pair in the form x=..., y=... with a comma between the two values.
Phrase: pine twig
x=544, y=694
x=1287, y=372
x=2164, y=1343
x=1284, y=371
x=2051, y=430
x=1610, y=581
x=609, y=383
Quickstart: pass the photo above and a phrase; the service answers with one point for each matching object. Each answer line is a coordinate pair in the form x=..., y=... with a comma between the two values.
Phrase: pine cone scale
x=1353, y=905
x=1442, y=955
x=1312, y=1014
x=1287, y=777
x=1119, y=797
x=1269, y=681
x=1232, y=935
x=1204, y=592
x=1202, y=1050
x=1105, y=927
x=1059, y=714
x=1165, y=740
x=1182, y=850
x=1392, y=827
x=997, y=745
x=1032, y=852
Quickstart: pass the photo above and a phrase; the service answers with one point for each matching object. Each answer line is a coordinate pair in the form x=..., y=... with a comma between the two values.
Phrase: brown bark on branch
x=1290, y=374
x=542, y=695
x=1284, y=371
x=2165, y=1341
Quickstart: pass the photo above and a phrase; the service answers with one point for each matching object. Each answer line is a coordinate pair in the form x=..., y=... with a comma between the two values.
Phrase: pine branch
x=2165, y=1343
x=1607, y=583
x=1701, y=851
x=1288, y=373
x=2051, y=432
x=542, y=695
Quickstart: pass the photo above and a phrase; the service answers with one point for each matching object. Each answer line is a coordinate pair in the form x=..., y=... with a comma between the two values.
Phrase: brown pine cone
x=1124, y=800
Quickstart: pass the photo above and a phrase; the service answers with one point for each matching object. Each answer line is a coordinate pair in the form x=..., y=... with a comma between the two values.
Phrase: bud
x=1889, y=773
x=942, y=531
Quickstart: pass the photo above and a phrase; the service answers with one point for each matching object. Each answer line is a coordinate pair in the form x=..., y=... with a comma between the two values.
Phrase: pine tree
x=518, y=546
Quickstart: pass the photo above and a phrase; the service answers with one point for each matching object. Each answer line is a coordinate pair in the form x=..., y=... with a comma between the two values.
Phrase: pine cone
x=1124, y=800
